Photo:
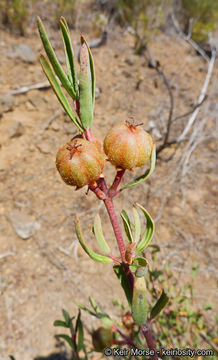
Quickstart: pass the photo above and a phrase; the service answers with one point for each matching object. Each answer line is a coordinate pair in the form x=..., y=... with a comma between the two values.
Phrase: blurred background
x=155, y=61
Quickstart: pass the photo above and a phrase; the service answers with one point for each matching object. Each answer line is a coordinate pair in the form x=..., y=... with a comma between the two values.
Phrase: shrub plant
x=80, y=163
x=204, y=14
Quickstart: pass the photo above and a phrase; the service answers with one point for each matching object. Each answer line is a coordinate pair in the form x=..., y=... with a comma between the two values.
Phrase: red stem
x=147, y=334
x=105, y=195
x=113, y=218
x=88, y=135
x=113, y=189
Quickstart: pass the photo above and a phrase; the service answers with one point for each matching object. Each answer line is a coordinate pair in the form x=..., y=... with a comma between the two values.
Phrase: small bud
x=130, y=253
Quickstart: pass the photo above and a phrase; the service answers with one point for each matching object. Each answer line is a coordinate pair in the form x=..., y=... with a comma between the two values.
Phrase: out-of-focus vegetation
x=15, y=14
x=66, y=8
x=144, y=16
x=204, y=14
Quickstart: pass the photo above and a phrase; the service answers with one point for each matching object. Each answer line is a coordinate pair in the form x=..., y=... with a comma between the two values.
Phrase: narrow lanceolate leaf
x=92, y=69
x=160, y=304
x=118, y=269
x=146, y=175
x=66, y=317
x=83, y=307
x=99, y=235
x=85, y=88
x=58, y=92
x=79, y=331
x=54, y=61
x=92, y=254
x=139, y=301
x=149, y=231
x=137, y=225
x=69, y=56
x=100, y=314
x=60, y=323
x=67, y=339
x=127, y=225
x=105, y=319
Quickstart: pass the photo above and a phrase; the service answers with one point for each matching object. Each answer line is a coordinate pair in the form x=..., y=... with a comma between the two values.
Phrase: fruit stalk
x=113, y=189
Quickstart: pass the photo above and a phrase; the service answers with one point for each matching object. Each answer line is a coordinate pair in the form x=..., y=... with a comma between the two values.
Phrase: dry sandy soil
x=48, y=271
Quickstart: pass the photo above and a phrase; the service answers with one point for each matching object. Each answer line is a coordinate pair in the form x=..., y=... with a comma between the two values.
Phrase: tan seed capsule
x=80, y=162
x=128, y=146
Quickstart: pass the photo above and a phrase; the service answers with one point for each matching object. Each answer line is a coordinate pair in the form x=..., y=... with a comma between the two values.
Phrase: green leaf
x=83, y=307
x=92, y=254
x=149, y=231
x=160, y=304
x=67, y=339
x=54, y=61
x=94, y=305
x=139, y=301
x=137, y=225
x=69, y=56
x=66, y=317
x=105, y=319
x=118, y=269
x=100, y=314
x=92, y=69
x=146, y=175
x=79, y=330
x=127, y=225
x=141, y=271
x=195, y=271
x=60, y=323
x=58, y=92
x=99, y=235
x=85, y=88
x=11, y=357
x=139, y=266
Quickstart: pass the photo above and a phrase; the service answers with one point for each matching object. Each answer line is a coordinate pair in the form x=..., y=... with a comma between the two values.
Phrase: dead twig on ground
x=200, y=99
x=208, y=341
x=188, y=38
x=156, y=66
x=25, y=89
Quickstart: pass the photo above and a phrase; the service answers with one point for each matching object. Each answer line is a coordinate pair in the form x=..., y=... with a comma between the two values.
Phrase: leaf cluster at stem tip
x=82, y=91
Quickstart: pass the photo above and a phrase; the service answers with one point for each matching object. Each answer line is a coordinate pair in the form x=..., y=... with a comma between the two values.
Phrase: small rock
x=25, y=53
x=24, y=224
x=129, y=61
x=37, y=100
x=16, y=130
x=30, y=106
x=6, y=103
x=44, y=147
x=55, y=126
x=127, y=74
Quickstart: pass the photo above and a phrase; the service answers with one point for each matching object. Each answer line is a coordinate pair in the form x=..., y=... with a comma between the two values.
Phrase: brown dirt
x=38, y=278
